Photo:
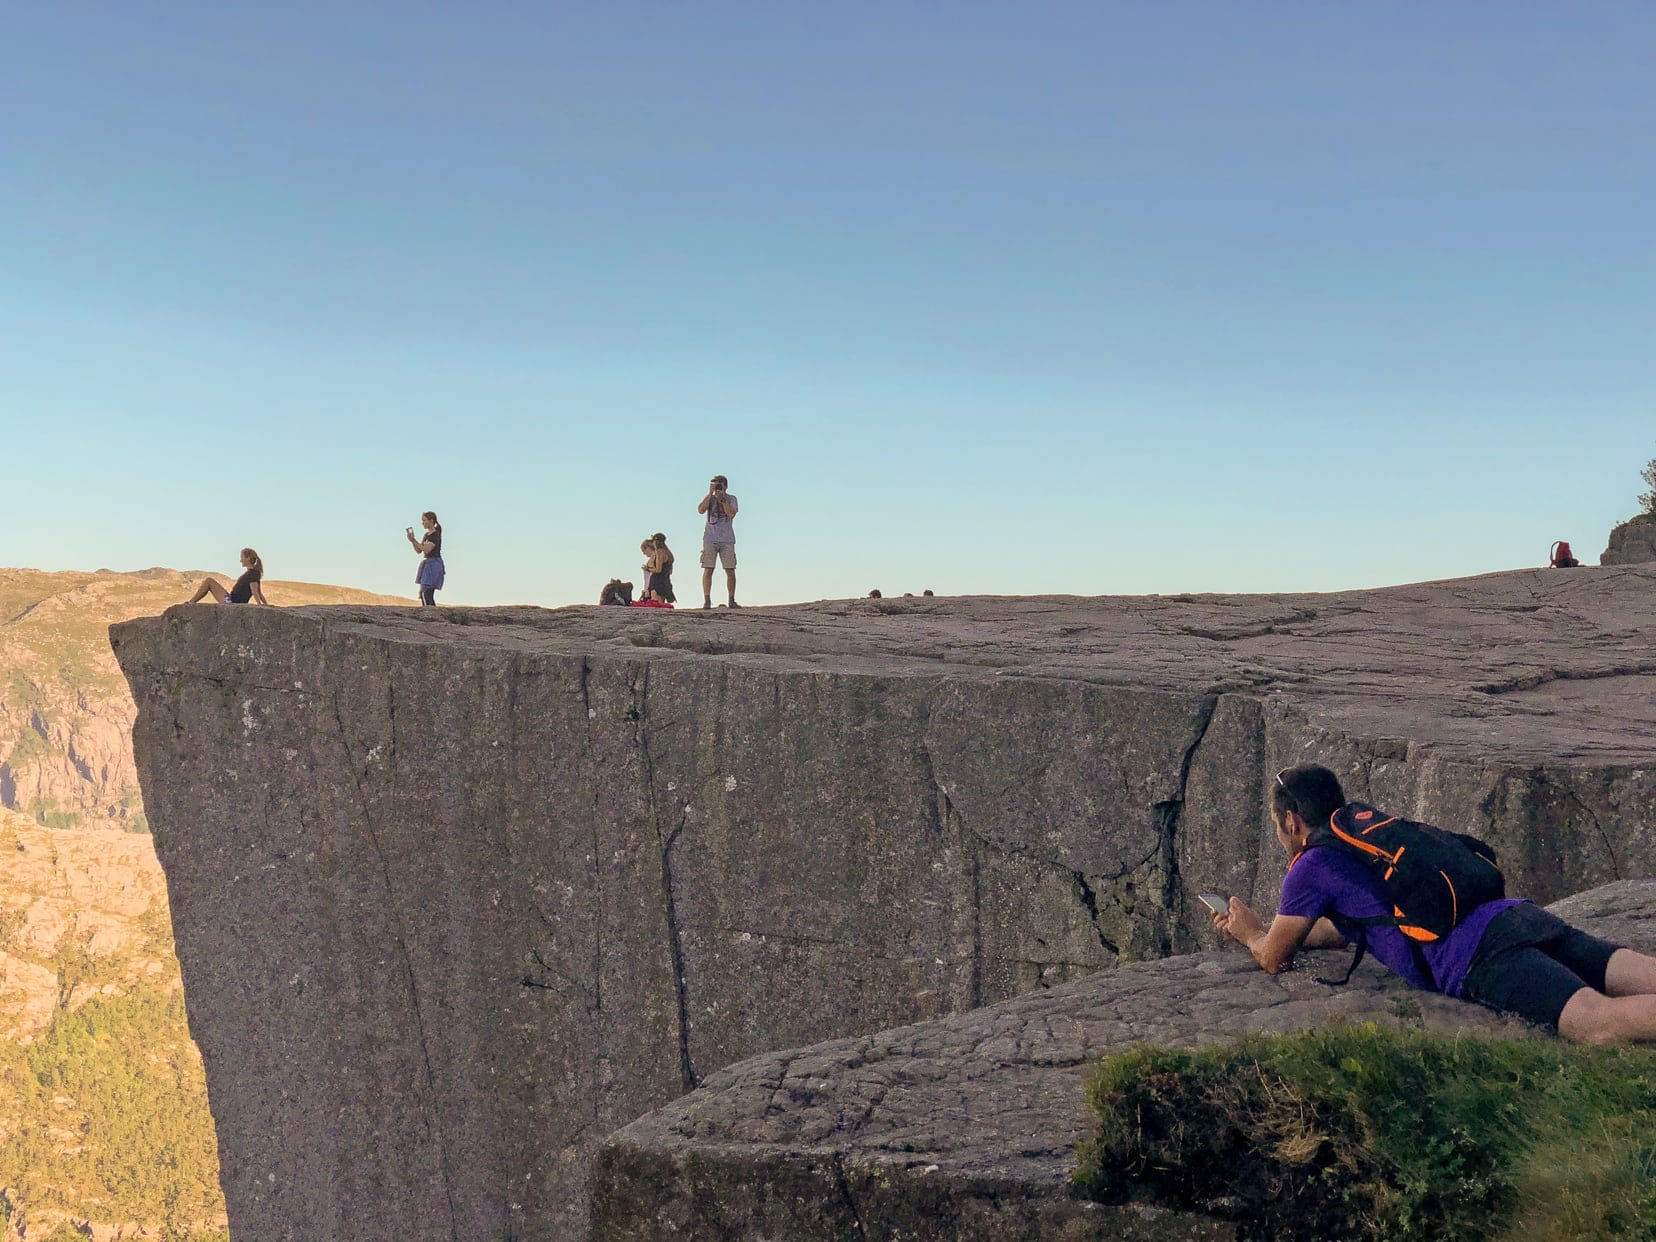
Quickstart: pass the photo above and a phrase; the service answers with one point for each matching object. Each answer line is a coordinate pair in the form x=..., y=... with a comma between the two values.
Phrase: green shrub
x=1363, y=1132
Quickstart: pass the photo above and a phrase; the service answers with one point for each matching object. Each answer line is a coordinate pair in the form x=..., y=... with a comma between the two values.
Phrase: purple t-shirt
x=1329, y=883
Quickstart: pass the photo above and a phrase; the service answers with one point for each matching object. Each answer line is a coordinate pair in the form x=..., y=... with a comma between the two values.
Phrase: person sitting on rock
x=1562, y=557
x=247, y=586
x=1508, y=955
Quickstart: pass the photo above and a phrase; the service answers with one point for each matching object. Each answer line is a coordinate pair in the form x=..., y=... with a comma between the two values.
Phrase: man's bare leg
x=730, y=582
x=1630, y=973
x=707, y=587
x=1591, y=1017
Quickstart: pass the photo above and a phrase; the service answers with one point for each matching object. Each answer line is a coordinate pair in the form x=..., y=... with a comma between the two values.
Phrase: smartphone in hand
x=1216, y=903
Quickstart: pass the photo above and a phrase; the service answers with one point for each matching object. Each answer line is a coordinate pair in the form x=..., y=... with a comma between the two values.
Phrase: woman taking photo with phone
x=429, y=577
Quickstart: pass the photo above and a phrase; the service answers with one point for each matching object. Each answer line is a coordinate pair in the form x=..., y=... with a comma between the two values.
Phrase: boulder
x=457, y=892
x=1631, y=543
x=967, y=1127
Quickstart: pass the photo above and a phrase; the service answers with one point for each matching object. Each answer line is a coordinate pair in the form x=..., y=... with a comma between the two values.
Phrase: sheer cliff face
x=458, y=893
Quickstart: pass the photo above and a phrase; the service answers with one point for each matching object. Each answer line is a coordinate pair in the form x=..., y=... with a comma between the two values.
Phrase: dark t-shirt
x=434, y=537
x=1328, y=883
x=242, y=592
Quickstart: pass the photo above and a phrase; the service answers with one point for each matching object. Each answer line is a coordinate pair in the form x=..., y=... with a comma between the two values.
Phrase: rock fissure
x=592, y=801
x=1167, y=816
x=665, y=841
x=1089, y=902
x=410, y=979
x=1598, y=828
x=1537, y=678
x=843, y=1184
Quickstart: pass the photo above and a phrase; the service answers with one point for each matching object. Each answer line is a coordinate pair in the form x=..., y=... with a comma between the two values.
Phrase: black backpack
x=1430, y=877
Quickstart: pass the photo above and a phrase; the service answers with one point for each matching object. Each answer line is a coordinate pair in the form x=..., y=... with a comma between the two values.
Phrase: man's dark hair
x=1311, y=792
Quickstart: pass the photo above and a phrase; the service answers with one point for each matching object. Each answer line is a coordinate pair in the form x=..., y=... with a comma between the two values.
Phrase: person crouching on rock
x=659, y=581
x=1508, y=955
x=247, y=586
x=429, y=577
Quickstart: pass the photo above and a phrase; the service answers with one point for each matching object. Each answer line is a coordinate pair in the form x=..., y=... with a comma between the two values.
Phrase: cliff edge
x=459, y=892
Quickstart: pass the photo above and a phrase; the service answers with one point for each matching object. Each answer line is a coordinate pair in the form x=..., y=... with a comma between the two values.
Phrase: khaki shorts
x=725, y=552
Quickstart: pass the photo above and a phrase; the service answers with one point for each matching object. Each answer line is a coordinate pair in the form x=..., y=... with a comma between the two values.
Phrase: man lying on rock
x=1345, y=866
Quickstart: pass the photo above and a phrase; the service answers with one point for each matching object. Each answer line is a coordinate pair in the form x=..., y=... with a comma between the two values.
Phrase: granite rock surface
x=967, y=1127
x=1631, y=543
x=459, y=892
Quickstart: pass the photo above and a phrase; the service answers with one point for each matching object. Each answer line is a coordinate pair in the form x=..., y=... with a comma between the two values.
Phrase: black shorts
x=1530, y=963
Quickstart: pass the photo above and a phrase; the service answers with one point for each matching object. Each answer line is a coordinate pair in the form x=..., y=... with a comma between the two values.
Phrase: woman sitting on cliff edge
x=247, y=586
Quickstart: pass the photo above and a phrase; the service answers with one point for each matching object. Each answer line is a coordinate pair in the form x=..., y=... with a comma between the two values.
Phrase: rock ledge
x=967, y=1127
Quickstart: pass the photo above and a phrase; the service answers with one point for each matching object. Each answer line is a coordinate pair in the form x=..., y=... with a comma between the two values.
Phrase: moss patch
x=1364, y=1132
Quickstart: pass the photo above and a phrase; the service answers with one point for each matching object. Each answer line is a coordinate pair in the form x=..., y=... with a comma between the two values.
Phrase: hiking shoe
x=734, y=604
x=707, y=603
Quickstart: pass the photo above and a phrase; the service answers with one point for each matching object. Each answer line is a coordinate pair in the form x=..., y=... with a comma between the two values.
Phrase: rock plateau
x=459, y=892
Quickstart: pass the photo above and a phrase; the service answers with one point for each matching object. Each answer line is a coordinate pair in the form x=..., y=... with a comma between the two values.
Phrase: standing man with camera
x=719, y=539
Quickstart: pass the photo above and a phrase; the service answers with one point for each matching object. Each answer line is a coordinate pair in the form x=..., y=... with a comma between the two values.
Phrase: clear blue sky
x=1092, y=298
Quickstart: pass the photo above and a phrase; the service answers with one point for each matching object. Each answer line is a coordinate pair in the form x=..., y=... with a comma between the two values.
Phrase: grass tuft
x=1370, y=1132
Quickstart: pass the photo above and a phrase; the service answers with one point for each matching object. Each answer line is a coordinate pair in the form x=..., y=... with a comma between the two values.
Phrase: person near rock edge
x=247, y=586
x=1509, y=955
x=719, y=539
x=429, y=576
x=660, y=564
x=647, y=548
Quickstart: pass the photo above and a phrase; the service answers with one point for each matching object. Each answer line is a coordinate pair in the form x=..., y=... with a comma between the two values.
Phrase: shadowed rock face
x=458, y=892
x=967, y=1127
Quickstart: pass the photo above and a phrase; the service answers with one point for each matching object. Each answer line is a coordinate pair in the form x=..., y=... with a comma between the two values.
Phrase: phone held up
x=1216, y=903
